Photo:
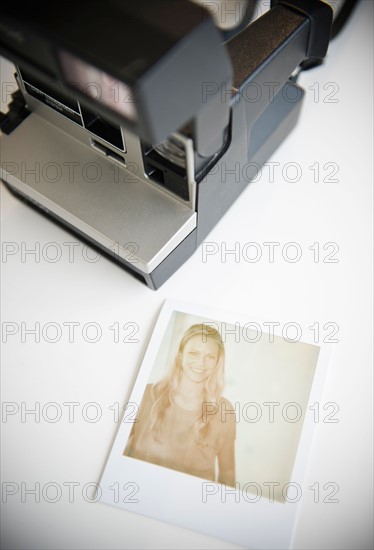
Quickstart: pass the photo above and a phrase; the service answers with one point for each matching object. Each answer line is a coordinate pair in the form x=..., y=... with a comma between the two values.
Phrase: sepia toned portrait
x=224, y=404
x=174, y=427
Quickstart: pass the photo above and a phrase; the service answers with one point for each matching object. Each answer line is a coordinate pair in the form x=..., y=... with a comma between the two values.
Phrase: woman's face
x=199, y=359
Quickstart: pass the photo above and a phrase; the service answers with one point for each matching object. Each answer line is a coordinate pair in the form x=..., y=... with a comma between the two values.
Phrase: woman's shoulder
x=148, y=392
x=147, y=399
x=148, y=388
x=225, y=404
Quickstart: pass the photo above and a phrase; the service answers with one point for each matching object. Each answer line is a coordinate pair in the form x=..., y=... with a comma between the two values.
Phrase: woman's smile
x=199, y=358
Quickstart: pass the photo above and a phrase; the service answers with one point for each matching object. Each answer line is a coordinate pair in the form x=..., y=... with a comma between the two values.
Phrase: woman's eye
x=193, y=353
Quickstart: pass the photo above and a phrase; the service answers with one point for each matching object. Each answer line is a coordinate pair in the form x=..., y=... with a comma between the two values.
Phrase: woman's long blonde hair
x=162, y=391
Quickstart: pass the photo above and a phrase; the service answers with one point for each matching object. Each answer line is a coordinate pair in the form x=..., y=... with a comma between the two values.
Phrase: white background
x=104, y=372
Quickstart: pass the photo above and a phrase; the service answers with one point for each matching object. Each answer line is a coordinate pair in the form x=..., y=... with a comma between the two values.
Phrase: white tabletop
x=327, y=212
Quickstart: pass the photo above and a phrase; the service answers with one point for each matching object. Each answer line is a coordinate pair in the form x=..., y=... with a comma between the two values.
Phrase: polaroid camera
x=132, y=116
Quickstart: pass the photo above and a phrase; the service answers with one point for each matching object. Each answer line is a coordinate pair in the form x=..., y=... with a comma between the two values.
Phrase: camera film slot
x=100, y=127
x=50, y=95
x=107, y=152
x=62, y=102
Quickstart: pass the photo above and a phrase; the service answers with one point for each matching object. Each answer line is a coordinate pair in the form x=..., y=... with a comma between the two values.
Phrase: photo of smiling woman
x=180, y=424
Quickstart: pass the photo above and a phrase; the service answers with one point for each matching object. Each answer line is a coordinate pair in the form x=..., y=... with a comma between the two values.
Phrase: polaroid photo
x=217, y=432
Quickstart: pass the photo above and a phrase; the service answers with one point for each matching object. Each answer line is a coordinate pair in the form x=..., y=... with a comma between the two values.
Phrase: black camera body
x=133, y=118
